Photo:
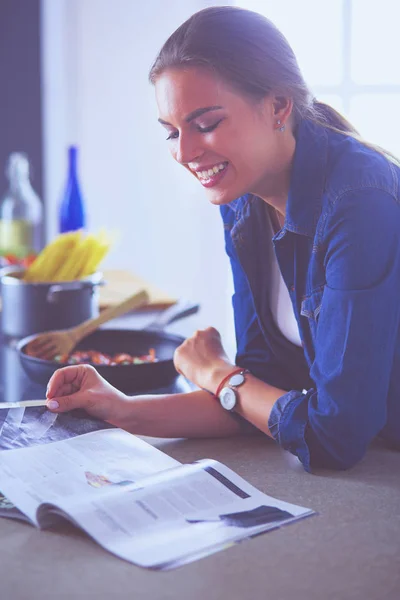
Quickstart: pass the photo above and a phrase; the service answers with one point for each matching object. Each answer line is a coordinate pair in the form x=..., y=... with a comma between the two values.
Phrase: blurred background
x=76, y=72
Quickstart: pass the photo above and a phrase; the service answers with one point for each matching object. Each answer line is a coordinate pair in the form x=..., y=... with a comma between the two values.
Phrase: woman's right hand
x=81, y=386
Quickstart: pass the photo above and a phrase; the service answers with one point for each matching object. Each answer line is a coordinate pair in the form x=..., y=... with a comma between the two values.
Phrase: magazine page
x=180, y=515
x=30, y=426
x=77, y=469
x=137, y=502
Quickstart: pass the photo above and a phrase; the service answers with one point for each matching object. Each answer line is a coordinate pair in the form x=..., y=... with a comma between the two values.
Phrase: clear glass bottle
x=21, y=211
x=72, y=210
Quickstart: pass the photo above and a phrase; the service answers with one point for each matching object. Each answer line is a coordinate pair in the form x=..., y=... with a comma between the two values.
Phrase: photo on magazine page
x=29, y=426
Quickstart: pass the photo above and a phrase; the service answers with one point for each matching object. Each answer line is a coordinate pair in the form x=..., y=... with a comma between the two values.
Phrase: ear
x=282, y=107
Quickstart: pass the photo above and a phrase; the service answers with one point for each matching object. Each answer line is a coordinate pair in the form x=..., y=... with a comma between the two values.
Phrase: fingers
x=80, y=386
x=207, y=333
x=66, y=403
x=67, y=380
x=177, y=361
x=213, y=331
x=62, y=381
x=66, y=389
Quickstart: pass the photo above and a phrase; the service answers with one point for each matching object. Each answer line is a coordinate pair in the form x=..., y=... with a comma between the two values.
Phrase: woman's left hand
x=202, y=359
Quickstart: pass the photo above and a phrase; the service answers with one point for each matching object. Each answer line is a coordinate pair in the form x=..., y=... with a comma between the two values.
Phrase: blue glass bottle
x=72, y=210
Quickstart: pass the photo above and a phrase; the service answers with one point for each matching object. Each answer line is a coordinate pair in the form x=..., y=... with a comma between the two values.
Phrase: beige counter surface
x=350, y=550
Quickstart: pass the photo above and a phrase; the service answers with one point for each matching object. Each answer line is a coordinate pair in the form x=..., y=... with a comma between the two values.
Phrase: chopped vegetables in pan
x=99, y=358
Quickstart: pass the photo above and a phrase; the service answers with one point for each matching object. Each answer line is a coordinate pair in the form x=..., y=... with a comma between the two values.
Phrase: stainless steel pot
x=29, y=308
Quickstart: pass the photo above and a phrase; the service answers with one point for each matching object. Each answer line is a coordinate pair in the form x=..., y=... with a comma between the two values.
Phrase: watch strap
x=222, y=384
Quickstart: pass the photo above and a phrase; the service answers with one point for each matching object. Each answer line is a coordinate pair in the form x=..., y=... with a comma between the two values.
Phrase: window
x=347, y=51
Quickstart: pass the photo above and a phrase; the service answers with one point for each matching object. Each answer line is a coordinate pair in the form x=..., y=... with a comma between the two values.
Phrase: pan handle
x=179, y=310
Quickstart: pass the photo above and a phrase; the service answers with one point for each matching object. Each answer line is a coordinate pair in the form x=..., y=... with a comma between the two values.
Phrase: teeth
x=210, y=172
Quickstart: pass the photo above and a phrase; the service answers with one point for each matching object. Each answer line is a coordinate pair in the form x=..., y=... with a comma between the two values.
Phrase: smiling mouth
x=211, y=171
x=210, y=177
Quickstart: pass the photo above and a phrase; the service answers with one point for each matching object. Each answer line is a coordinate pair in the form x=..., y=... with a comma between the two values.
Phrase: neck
x=274, y=188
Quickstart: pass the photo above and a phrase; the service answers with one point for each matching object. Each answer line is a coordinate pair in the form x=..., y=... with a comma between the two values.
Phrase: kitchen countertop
x=349, y=550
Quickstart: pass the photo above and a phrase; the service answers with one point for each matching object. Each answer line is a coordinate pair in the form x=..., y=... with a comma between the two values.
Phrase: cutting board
x=121, y=284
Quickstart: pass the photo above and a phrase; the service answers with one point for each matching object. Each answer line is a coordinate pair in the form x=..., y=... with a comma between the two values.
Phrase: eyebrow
x=193, y=115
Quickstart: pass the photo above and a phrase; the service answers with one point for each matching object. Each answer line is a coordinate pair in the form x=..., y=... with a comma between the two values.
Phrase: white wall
x=96, y=58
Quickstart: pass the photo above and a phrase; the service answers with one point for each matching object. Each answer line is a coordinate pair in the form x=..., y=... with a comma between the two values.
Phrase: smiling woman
x=209, y=174
x=211, y=126
x=311, y=219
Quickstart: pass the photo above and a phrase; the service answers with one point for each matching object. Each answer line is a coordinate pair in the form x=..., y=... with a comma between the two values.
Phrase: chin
x=221, y=198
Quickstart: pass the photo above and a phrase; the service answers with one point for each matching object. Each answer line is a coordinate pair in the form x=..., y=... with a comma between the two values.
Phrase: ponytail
x=325, y=115
x=329, y=117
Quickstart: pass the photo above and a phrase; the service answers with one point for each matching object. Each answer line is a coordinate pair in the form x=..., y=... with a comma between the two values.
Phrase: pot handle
x=10, y=270
x=179, y=310
x=59, y=288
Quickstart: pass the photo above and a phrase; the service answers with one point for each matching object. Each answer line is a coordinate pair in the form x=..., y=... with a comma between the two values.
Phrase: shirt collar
x=308, y=179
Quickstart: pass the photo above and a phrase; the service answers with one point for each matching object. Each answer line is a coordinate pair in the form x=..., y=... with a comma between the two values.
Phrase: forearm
x=190, y=415
x=198, y=413
x=255, y=398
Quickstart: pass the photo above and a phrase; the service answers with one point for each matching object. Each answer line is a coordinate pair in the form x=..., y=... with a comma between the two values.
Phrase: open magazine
x=136, y=501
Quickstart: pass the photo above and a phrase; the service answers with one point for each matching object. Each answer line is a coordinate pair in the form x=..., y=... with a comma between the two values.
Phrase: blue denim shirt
x=339, y=255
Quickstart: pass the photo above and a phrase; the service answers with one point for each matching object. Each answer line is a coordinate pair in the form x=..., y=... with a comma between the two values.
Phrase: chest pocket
x=311, y=308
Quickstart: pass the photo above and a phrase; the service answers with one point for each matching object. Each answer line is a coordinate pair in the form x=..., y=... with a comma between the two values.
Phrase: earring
x=282, y=128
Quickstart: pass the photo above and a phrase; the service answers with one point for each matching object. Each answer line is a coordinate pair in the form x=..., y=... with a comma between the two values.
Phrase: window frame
x=348, y=88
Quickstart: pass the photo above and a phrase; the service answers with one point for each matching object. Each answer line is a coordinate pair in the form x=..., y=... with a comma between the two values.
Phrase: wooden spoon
x=52, y=343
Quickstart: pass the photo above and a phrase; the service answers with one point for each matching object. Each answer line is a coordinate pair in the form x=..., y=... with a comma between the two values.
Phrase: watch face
x=227, y=398
x=237, y=379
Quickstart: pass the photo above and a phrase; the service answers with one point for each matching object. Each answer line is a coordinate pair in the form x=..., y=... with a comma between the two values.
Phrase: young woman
x=312, y=222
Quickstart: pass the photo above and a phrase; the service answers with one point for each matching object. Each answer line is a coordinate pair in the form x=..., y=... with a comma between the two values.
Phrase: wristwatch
x=228, y=395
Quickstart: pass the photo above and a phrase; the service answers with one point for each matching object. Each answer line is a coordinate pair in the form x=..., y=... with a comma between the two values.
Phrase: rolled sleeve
x=287, y=424
x=355, y=338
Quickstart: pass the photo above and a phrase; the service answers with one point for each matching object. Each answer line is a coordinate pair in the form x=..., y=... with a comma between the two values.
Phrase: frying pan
x=127, y=378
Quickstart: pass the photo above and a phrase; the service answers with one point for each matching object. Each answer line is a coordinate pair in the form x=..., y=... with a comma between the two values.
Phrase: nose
x=187, y=150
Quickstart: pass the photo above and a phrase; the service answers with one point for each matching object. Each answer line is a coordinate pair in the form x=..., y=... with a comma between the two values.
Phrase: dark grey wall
x=20, y=86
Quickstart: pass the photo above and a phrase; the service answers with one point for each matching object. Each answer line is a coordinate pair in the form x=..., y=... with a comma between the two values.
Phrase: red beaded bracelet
x=221, y=385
